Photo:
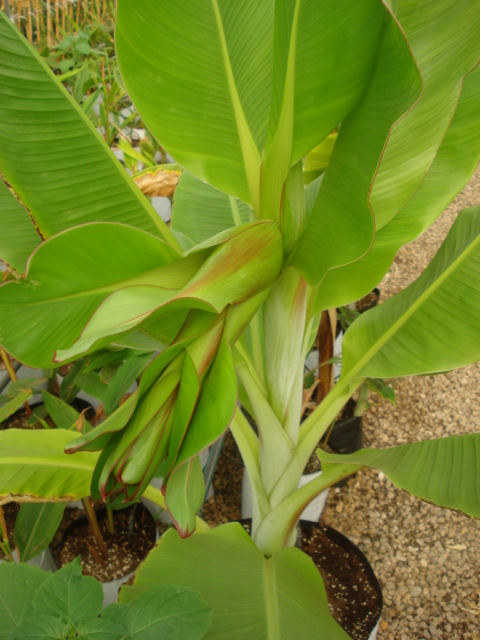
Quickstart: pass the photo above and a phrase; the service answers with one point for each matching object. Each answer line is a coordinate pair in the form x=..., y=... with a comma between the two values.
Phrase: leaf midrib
x=140, y=280
x=33, y=460
x=138, y=198
x=251, y=156
x=32, y=532
x=272, y=618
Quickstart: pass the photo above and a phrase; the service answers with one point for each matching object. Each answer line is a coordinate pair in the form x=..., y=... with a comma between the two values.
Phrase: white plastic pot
x=44, y=560
x=374, y=634
x=312, y=512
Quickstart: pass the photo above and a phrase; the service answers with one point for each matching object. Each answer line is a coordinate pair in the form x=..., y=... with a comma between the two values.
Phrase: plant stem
x=257, y=347
x=247, y=443
x=92, y=519
x=4, y=545
x=310, y=433
x=275, y=531
x=110, y=521
x=12, y=375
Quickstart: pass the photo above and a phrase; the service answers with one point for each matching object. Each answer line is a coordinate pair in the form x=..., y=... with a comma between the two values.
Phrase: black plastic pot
x=346, y=435
x=353, y=591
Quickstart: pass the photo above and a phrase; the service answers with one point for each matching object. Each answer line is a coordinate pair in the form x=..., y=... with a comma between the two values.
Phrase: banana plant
x=316, y=138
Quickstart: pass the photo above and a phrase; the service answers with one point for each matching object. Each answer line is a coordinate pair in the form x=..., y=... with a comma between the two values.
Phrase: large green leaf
x=162, y=612
x=444, y=37
x=341, y=225
x=36, y=467
x=280, y=598
x=47, y=310
x=69, y=595
x=456, y=160
x=18, y=237
x=323, y=57
x=204, y=100
x=216, y=109
x=432, y=325
x=35, y=527
x=444, y=471
x=200, y=211
x=51, y=154
x=18, y=584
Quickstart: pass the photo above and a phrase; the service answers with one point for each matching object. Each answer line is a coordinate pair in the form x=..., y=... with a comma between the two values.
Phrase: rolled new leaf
x=177, y=412
x=147, y=424
x=184, y=495
x=444, y=471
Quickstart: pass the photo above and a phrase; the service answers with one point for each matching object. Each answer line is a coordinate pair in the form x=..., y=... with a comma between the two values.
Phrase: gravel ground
x=427, y=559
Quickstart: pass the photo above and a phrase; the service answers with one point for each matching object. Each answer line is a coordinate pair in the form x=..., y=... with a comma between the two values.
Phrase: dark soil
x=225, y=504
x=313, y=464
x=353, y=592
x=65, y=369
x=10, y=512
x=19, y=420
x=135, y=536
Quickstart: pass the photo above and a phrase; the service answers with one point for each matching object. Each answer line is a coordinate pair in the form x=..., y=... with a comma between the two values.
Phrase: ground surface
x=427, y=559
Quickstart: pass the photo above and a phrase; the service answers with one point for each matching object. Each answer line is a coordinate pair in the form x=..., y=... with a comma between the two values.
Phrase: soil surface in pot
x=353, y=592
x=135, y=536
x=10, y=512
x=19, y=420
